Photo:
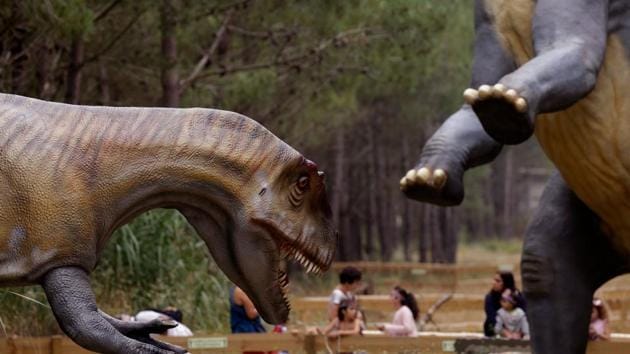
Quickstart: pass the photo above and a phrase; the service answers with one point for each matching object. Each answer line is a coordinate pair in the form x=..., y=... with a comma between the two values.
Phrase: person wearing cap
x=511, y=322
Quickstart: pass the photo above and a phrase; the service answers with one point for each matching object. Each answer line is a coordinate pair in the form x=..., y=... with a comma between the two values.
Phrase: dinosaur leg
x=72, y=301
x=569, y=39
x=566, y=257
x=459, y=144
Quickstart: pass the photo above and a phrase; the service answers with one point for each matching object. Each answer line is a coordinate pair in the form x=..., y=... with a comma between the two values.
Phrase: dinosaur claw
x=521, y=105
x=423, y=175
x=439, y=178
x=411, y=175
x=403, y=184
x=498, y=90
x=471, y=95
x=485, y=92
x=511, y=95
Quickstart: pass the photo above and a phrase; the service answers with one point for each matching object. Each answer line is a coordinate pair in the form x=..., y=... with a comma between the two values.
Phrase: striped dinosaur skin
x=70, y=175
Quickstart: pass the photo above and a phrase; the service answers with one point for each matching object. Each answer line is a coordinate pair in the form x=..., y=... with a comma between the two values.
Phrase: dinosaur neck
x=124, y=161
x=213, y=161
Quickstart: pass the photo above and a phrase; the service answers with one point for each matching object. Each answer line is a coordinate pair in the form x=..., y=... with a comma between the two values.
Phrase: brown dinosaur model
x=70, y=175
x=559, y=69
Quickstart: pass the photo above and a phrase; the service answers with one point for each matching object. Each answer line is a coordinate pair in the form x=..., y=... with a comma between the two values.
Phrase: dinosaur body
x=70, y=175
x=589, y=141
x=559, y=69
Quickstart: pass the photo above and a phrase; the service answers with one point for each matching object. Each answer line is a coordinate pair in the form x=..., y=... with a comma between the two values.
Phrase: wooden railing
x=426, y=343
x=462, y=312
x=475, y=278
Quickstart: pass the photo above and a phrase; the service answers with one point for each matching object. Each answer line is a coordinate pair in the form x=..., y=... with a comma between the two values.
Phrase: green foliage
x=158, y=261
x=72, y=19
x=25, y=311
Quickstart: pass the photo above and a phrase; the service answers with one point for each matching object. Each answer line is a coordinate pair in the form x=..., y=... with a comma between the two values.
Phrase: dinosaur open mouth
x=313, y=258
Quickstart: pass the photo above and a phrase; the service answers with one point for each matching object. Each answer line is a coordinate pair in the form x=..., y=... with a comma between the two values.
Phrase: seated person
x=511, y=321
x=349, y=280
x=598, y=328
x=492, y=303
x=406, y=315
x=346, y=322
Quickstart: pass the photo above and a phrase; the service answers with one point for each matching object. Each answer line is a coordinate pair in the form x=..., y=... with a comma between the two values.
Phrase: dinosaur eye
x=302, y=182
x=296, y=194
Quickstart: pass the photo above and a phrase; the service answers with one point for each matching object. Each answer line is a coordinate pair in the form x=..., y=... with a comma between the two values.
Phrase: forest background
x=355, y=85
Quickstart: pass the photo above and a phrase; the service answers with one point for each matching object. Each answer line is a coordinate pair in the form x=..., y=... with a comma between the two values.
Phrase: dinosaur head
x=285, y=216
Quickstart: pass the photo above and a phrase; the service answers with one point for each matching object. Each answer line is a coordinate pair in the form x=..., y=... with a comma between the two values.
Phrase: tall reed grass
x=155, y=261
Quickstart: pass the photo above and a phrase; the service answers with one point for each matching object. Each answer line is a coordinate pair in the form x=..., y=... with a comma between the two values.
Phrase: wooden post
x=56, y=345
x=309, y=344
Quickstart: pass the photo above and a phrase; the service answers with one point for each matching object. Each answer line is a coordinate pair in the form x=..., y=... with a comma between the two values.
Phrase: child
x=598, y=328
x=347, y=321
x=349, y=280
x=511, y=320
x=406, y=315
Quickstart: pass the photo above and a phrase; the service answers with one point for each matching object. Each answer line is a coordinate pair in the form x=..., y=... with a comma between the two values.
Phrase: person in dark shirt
x=492, y=302
x=244, y=317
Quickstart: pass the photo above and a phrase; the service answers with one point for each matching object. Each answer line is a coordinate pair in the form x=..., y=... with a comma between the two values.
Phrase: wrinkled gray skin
x=566, y=256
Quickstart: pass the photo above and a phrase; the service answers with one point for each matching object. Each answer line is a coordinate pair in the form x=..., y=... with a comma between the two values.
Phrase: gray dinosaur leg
x=569, y=42
x=566, y=257
x=461, y=142
x=72, y=301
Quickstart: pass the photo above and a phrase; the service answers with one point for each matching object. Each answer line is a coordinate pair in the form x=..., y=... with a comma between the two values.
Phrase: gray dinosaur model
x=70, y=175
x=559, y=69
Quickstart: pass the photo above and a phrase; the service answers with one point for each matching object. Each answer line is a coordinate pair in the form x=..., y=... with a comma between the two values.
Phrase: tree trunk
x=103, y=84
x=170, y=76
x=450, y=228
x=425, y=239
x=73, y=79
x=376, y=188
x=338, y=182
x=43, y=70
x=405, y=225
x=16, y=48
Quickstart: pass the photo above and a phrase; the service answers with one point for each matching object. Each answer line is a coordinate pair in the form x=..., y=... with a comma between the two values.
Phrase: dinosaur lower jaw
x=311, y=257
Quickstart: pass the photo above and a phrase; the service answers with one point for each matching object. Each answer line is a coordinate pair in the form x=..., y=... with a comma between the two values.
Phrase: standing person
x=349, y=280
x=406, y=315
x=598, y=328
x=244, y=317
x=492, y=302
x=511, y=320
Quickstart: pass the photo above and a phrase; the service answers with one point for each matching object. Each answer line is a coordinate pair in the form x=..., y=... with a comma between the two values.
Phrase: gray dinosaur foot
x=72, y=301
x=432, y=185
x=503, y=113
x=141, y=331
